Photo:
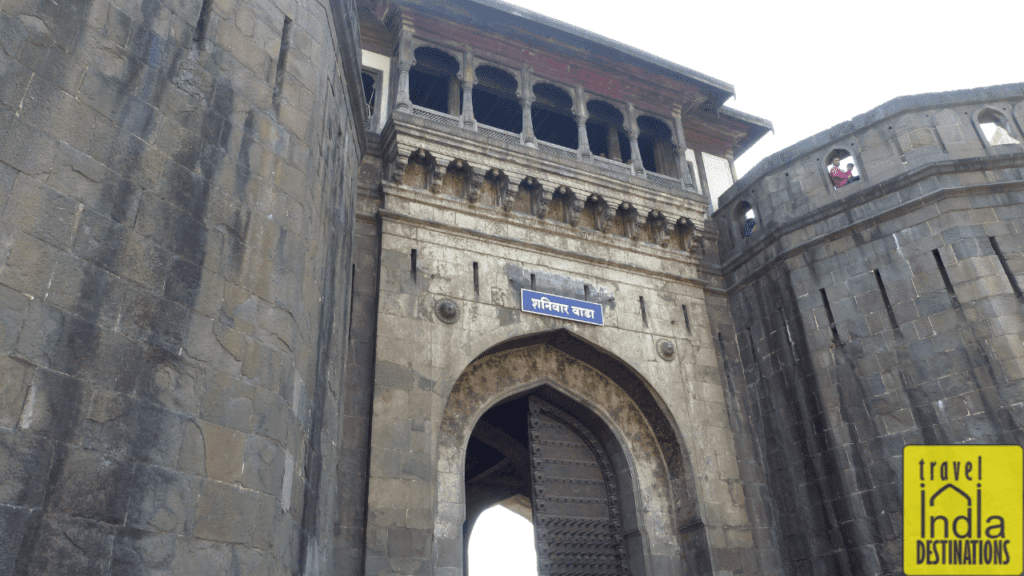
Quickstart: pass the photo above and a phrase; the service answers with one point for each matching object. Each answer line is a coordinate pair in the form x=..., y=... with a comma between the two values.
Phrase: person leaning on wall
x=842, y=177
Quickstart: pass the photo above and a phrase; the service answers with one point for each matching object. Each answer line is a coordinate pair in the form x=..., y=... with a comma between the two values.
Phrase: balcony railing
x=436, y=116
x=499, y=133
x=614, y=165
x=659, y=179
x=558, y=150
x=513, y=138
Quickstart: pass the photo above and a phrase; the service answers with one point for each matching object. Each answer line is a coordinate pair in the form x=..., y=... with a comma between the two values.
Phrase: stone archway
x=662, y=531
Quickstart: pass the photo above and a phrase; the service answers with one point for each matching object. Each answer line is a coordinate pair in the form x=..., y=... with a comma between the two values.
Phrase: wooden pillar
x=468, y=77
x=614, y=151
x=406, y=60
x=633, y=132
x=581, y=124
x=526, y=100
x=680, y=151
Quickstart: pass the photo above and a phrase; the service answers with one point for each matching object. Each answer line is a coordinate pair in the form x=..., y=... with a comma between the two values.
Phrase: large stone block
x=225, y=513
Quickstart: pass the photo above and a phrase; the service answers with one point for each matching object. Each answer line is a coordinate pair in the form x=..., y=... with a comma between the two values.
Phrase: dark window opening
x=412, y=262
x=597, y=136
x=604, y=131
x=494, y=100
x=686, y=318
x=432, y=81
x=476, y=279
x=553, y=118
x=643, y=311
x=646, y=146
x=555, y=127
x=428, y=91
x=655, y=143
x=369, y=93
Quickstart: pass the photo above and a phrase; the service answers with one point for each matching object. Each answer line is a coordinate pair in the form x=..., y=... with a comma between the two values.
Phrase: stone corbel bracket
x=630, y=221
x=540, y=200
x=691, y=239
x=604, y=213
x=658, y=226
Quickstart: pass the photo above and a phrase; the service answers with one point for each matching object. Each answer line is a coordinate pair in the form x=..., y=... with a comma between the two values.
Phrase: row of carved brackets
x=606, y=208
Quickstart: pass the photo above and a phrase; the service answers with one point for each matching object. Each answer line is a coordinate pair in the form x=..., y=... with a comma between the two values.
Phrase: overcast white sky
x=803, y=65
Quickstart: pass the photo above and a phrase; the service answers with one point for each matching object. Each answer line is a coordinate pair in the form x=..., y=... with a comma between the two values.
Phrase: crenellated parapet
x=903, y=151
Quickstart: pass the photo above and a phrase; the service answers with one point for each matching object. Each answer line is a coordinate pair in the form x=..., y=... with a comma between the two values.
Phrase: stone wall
x=176, y=233
x=882, y=313
x=479, y=242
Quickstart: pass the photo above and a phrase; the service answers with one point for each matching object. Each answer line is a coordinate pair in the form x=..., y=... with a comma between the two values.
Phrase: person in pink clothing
x=841, y=177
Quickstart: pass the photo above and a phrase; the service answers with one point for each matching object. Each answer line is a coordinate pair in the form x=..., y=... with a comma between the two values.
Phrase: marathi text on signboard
x=562, y=307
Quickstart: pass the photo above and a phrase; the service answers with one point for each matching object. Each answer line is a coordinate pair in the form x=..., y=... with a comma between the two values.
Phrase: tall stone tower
x=877, y=313
x=177, y=203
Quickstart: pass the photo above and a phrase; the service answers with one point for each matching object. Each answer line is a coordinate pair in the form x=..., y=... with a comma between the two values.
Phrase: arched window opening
x=370, y=98
x=747, y=217
x=432, y=81
x=552, y=116
x=494, y=100
x=655, y=143
x=995, y=128
x=605, y=133
x=842, y=170
x=501, y=542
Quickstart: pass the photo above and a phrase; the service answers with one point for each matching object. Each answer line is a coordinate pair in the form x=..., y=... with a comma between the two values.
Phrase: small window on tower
x=996, y=130
x=841, y=168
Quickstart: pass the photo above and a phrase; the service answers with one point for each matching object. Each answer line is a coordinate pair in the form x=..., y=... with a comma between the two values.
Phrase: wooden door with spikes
x=575, y=504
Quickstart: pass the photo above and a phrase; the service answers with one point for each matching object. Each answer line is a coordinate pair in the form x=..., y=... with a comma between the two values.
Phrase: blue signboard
x=562, y=307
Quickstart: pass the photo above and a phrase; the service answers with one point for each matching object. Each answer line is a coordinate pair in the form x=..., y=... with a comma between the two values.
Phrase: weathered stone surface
x=874, y=337
x=136, y=177
x=225, y=513
x=209, y=294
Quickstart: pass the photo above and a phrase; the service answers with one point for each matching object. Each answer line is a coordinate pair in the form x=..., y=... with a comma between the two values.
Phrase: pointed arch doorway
x=533, y=451
x=485, y=453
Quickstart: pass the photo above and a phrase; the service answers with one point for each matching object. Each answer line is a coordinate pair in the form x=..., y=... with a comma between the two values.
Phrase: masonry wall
x=176, y=219
x=480, y=253
x=880, y=314
x=357, y=404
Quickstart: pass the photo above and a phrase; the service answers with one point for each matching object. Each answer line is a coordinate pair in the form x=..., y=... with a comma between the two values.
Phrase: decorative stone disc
x=666, y=349
x=447, y=310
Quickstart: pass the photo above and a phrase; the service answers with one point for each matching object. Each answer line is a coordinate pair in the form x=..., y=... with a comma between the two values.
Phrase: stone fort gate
x=551, y=421
x=495, y=169
x=261, y=264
